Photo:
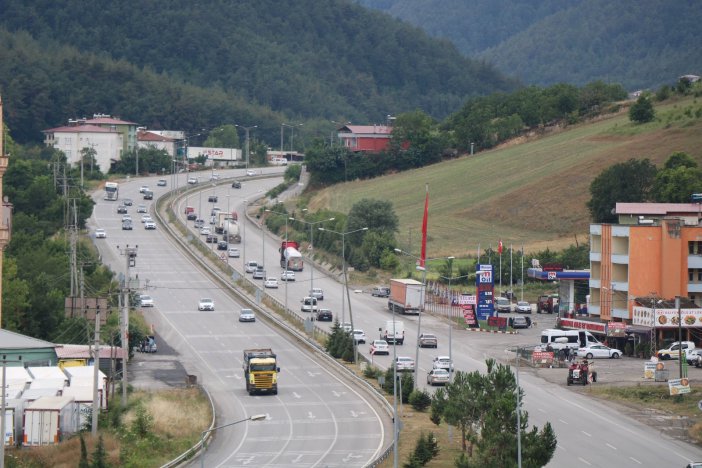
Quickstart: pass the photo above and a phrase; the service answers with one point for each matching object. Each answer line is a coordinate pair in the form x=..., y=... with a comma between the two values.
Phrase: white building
x=148, y=139
x=71, y=140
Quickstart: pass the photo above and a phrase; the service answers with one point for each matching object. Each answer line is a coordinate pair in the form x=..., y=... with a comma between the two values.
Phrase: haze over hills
x=637, y=43
x=194, y=65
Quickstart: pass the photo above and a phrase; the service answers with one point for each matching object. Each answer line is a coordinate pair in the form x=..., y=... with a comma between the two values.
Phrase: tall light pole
x=343, y=262
x=256, y=417
x=246, y=129
x=312, y=224
x=292, y=128
x=243, y=232
x=283, y=253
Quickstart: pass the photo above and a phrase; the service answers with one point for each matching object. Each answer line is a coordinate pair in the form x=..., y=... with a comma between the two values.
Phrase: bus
x=111, y=191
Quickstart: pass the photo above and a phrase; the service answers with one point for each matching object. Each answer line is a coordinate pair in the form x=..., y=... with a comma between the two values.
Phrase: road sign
x=551, y=275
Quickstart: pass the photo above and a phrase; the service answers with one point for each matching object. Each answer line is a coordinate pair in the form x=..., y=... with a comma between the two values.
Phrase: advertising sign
x=678, y=386
x=469, y=316
x=650, y=368
x=485, y=289
x=467, y=299
x=666, y=318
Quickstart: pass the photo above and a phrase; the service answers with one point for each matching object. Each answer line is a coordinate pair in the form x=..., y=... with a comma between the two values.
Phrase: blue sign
x=485, y=285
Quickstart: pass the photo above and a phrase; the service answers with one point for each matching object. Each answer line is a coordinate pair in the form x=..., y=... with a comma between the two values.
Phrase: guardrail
x=164, y=205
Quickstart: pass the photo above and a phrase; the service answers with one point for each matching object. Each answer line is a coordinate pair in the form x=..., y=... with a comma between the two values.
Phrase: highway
x=317, y=418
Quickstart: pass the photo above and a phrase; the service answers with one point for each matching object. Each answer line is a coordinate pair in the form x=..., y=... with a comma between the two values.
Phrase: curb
x=492, y=331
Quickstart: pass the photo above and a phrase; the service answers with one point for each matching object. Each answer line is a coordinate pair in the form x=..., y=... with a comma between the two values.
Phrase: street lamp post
x=246, y=129
x=256, y=417
x=343, y=262
x=312, y=224
x=292, y=129
x=283, y=253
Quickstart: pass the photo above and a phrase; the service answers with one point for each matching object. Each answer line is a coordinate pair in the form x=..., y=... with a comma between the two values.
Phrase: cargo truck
x=290, y=256
x=394, y=332
x=406, y=296
x=228, y=224
x=261, y=371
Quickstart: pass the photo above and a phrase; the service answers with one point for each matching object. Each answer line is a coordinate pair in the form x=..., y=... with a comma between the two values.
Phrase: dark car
x=121, y=209
x=212, y=239
x=127, y=202
x=380, y=291
x=236, y=184
x=148, y=195
x=126, y=225
x=192, y=216
x=324, y=315
x=212, y=199
x=222, y=245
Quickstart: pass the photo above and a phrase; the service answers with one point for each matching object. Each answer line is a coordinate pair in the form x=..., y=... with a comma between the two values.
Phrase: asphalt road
x=317, y=419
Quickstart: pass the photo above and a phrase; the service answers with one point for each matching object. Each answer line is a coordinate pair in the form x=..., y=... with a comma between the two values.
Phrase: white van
x=399, y=329
x=573, y=339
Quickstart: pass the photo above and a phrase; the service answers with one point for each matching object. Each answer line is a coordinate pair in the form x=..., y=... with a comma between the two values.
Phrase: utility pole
x=130, y=254
x=96, y=374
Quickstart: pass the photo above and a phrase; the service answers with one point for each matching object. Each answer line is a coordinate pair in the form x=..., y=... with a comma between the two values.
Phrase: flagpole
x=522, y=272
x=423, y=265
x=478, y=253
x=510, y=273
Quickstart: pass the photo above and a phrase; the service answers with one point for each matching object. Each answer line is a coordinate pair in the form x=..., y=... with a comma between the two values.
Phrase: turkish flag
x=499, y=247
x=423, y=256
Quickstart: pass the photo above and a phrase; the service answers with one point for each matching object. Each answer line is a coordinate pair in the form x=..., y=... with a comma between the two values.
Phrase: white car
x=141, y=209
x=247, y=315
x=599, y=351
x=346, y=326
x=126, y=218
x=287, y=275
x=146, y=218
x=192, y=180
x=146, y=301
x=205, y=231
x=250, y=173
x=214, y=176
x=250, y=266
x=100, y=233
x=317, y=293
x=523, y=307
x=233, y=252
x=143, y=188
x=162, y=182
x=442, y=362
x=259, y=273
x=309, y=304
x=379, y=347
x=149, y=225
x=359, y=336
x=271, y=283
x=205, y=304
x=404, y=363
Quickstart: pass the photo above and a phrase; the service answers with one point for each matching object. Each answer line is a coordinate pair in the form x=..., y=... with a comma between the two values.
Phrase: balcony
x=595, y=283
x=595, y=256
x=620, y=286
x=620, y=259
x=618, y=312
x=694, y=288
x=694, y=261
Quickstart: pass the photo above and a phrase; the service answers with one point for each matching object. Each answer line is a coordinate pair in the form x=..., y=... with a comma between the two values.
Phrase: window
x=699, y=275
x=690, y=275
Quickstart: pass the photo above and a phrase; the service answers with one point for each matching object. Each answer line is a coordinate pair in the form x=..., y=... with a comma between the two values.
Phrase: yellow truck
x=261, y=371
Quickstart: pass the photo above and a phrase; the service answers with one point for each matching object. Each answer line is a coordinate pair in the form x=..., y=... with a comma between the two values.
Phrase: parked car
x=206, y=304
x=673, y=351
x=122, y=209
x=442, y=362
x=141, y=209
x=502, y=304
x=247, y=315
x=317, y=293
x=359, y=336
x=162, y=182
x=259, y=273
x=250, y=266
x=693, y=356
x=191, y=216
x=309, y=304
x=222, y=245
x=287, y=275
x=233, y=252
x=149, y=225
x=404, y=363
x=212, y=199
x=599, y=351
x=271, y=283
x=379, y=347
x=148, y=345
x=100, y=233
x=127, y=202
x=438, y=377
x=523, y=307
x=324, y=315
x=146, y=301
x=428, y=340
x=236, y=184
x=380, y=291
x=519, y=322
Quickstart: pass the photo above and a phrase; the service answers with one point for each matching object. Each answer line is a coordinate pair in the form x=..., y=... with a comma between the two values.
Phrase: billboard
x=214, y=154
x=666, y=318
x=484, y=285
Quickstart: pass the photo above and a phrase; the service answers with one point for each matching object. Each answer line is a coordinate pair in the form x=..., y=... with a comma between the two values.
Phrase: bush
x=371, y=372
x=426, y=449
x=420, y=400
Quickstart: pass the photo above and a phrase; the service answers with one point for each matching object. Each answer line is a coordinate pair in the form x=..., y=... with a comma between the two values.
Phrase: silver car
x=438, y=377
x=247, y=315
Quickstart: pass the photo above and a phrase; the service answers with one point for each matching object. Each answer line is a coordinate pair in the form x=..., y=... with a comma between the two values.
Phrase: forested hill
x=262, y=59
x=638, y=43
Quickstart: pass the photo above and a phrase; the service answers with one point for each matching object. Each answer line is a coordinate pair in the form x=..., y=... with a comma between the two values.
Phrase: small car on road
x=309, y=304
x=191, y=216
x=212, y=199
x=192, y=180
x=100, y=233
x=233, y=252
x=247, y=315
x=236, y=184
x=259, y=273
x=206, y=304
x=250, y=173
x=428, y=340
x=317, y=293
x=379, y=347
x=127, y=225
x=359, y=336
x=141, y=209
x=324, y=315
x=250, y=266
x=404, y=363
x=271, y=283
x=380, y=291
x=287, y=275
x=127, y=202
x=222, y=245
x=146, y=301
x=442, y=362
x=162, y=182
x=149, y=225
x=122, y=209
x=438, y=377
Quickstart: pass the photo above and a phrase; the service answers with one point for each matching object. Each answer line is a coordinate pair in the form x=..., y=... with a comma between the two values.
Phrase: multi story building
x=73, y=139
x=653, y=255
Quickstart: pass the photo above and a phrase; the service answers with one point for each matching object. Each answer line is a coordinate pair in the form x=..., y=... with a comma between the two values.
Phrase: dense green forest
x=193, y=65
x=638, y=43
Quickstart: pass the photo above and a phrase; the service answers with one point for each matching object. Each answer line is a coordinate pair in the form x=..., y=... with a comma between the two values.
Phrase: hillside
x=638, y=43
x=302, y=60
x=532, y=193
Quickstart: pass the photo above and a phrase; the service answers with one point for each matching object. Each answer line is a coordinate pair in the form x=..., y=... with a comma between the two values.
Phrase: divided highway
x=317, y=419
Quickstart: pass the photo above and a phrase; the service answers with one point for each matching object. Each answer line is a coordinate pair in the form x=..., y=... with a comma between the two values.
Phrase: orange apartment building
x=653, y=255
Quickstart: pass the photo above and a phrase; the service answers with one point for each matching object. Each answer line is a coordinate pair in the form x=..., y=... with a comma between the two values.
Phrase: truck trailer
x=406, y=296
x=49, y=420
x=261, y=371
x=290, y=256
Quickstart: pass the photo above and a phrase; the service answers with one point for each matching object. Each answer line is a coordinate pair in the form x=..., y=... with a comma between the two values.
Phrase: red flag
x=499, y=247
x=423, y=256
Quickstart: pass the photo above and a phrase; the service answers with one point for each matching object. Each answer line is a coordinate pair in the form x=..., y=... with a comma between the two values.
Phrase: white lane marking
x=563, y=421
x=586, y=433
x=310, y=415
x=296, y=395
x=297, y=459
x=611, y=446
x=350, y=457
x=584, y=461
x=632, y=458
